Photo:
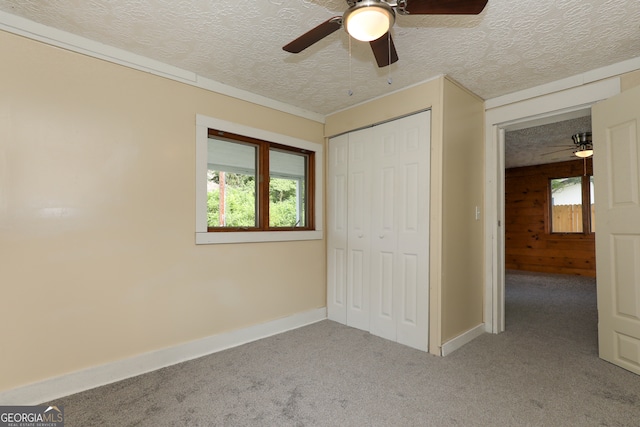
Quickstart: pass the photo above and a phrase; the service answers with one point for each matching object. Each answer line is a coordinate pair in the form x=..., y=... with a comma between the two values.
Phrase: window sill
x=256, y=237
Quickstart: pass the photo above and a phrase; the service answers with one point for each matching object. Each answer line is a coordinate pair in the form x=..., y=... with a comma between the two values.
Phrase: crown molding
x=62, y=39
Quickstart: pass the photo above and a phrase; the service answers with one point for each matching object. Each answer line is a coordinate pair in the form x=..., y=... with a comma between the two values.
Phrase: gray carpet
x=543, y=371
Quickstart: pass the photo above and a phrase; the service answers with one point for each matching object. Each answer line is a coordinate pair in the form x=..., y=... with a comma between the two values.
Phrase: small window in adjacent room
x=572, y=205
x=256, y=189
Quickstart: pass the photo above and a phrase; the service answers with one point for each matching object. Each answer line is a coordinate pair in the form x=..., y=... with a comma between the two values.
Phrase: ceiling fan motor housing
x=399, y=5
x=581, y=138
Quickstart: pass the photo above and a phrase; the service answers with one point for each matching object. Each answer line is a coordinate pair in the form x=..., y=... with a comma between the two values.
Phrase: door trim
x=534, y=111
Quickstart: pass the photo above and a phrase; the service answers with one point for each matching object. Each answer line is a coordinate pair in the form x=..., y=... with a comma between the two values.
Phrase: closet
x=378, y=229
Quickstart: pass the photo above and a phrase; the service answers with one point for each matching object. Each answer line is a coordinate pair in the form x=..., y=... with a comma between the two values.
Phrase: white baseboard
x=454, y=344
x=75, y=382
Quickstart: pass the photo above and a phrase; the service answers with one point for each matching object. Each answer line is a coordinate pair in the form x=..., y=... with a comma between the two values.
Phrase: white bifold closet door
x=378, y=222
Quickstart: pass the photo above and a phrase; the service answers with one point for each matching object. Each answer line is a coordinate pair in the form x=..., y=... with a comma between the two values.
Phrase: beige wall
x=457, y=179
x=97, y=218
x=629, y=80
x=463, y=183
x=418, y=98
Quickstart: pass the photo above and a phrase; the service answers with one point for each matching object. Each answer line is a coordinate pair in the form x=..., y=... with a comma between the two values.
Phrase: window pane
x=287, y=189
x=593, y=206
x=231, y=184
x=566, y=205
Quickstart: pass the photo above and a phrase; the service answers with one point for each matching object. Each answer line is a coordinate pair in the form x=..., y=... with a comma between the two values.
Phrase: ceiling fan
x=583, y=146
x=370, y=21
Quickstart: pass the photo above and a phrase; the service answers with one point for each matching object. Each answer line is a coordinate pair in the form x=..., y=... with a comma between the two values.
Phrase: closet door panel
x=408, y=281
x=383, y=310
x=385, y=216
x=413, y=232
x=359, y=230
x=337, y=222
x=384, y=231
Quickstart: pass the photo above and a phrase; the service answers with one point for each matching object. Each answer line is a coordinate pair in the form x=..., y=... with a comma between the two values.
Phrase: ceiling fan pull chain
x=350, y=91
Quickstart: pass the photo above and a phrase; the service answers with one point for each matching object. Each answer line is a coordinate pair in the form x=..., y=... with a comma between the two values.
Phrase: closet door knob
x=360, y=235
x=381, y=236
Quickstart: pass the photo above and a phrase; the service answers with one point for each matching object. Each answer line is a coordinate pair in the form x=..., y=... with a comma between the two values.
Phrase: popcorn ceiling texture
x=544, y=144
x=512, y=45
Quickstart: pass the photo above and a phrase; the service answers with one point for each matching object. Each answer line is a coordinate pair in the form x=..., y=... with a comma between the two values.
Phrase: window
x=241, y=195
x=288, y=181
x=252, y=189
x=231, y=184
x=572, y=205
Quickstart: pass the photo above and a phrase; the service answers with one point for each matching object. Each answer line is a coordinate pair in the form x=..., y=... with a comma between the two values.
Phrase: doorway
x=549, y=200
x=549, y=235
x=534, y=111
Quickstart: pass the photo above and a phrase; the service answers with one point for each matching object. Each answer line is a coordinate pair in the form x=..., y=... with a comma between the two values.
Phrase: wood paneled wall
x=529, y=245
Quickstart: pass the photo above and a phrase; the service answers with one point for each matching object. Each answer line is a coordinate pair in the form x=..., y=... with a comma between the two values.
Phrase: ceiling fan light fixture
x=584, y=151
x=584, y=143
x=369, y=20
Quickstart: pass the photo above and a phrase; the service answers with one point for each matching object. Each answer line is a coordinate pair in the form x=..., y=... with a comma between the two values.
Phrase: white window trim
x=203, y=124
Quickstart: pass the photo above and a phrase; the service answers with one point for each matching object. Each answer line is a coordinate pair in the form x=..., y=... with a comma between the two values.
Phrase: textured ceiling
x=511, y=45
x=548, y=143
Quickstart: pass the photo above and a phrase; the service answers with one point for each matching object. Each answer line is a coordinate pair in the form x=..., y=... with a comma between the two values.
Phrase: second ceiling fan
x=371, y=20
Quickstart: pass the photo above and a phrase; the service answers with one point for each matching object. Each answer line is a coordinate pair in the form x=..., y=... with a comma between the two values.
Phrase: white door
x=337, y=229
x=616, y=164
x=400, y=236
x=384, y=217
x=378, y=230
x=359, y=229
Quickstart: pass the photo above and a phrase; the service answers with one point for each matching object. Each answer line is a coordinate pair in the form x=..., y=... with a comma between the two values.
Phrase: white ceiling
x=511, y=45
